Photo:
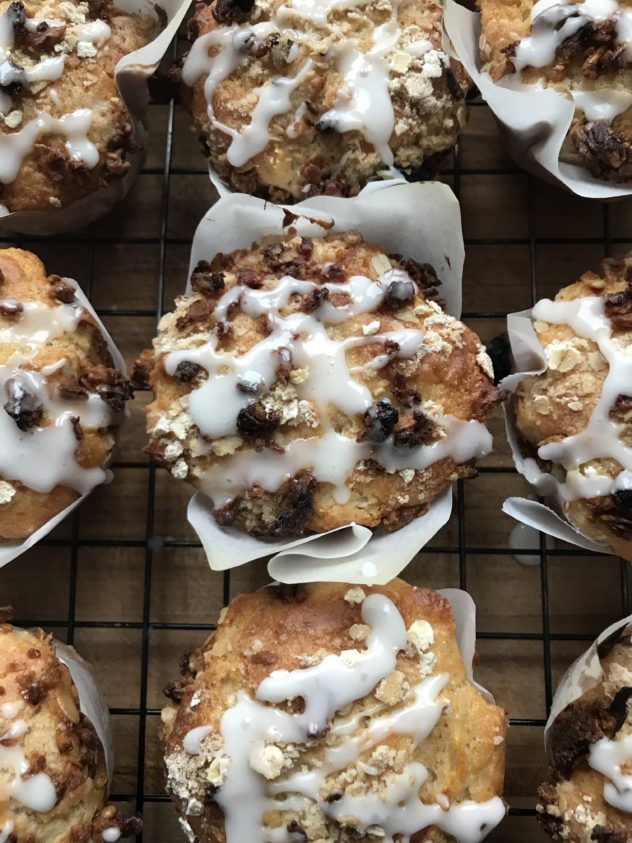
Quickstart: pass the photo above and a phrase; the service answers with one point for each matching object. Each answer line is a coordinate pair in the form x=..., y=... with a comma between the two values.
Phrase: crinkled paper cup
x=421, y=221
x=535, y=123
x=10, y=550
x=583, y=675
x=530, y=360
x=131, y=75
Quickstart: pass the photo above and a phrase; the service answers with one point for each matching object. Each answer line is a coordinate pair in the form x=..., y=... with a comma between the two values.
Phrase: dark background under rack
x=125, y=580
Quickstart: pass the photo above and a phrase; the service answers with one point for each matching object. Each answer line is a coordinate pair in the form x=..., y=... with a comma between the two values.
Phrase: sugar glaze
x=44, y=457
x=600, y=439
x=326, y=688
x=607, y=757
x=74, y=126
x=363, y=103
x=36, y=792
x=330, y=456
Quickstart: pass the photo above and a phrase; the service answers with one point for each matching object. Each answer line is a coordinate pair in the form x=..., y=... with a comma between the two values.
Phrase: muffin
x=295, y=99
x=587, y=796
x=582, y=49
x=575, y=419
x=61, y=397
x=52, y=766
x=334, y=714
x=309, y=383
x=65, y=132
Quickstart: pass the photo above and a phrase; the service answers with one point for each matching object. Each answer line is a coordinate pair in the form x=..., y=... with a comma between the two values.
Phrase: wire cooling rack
x=125, y=580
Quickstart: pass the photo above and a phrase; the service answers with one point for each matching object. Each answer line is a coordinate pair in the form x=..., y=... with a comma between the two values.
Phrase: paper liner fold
x=584, y=674
x=131, y=75
x=534, y=123
x=421, y=221
x=10, y=550
x=530, y=360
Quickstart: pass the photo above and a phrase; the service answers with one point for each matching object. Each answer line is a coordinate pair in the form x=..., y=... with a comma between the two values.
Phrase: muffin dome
x=335, y=714
x=308, y=383
x=61, y=398
x=53, y=778
x=575, y=419
x=293, y=99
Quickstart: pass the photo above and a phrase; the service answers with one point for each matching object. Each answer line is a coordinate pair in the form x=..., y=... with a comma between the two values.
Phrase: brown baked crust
x=49, y=177
x=285, y=627
x=572, y=806
x=88, y=366
x=558, y=403
x=60, y=742
x=590, y=60
x=448, y=375
x=429, y=107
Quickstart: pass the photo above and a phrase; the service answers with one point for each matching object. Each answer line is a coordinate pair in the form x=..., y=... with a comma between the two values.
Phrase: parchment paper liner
x=584, y=674
x=535, y=123
x=131, y=75
x=10, y=550
x=530, y=360
x=421, y=221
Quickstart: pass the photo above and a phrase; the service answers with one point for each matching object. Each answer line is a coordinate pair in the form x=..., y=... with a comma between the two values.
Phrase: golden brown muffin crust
x=81, y=365
x=50, y=177
x=572, y=805
x=449, y=374
x=593, y=59
x=289, y=627
x=558, y=403
x=306, y=155
x=38, y=695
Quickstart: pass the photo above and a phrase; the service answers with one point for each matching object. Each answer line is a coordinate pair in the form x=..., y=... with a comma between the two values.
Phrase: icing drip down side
x=601, y=438
x=35, y=792
x=328, y=382
x=608, y=757
x=43, y=455
x=247, y=795
x=363, y=102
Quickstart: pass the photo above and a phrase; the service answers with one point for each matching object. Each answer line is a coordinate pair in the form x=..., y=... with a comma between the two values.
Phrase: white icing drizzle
x=6, y=830
x=15, y=146
x=74, y=126
x=601, y=436
x=603, y=104
x=363, y=103
x=35, y=792
x=44, y=457
x=8, y=711
x=326, y=688
x=329, y=382
x=111, y=835
x=607, y=757
x=553, y=22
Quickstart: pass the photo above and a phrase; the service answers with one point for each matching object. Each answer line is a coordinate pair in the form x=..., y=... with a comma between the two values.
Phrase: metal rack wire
x=68, y=624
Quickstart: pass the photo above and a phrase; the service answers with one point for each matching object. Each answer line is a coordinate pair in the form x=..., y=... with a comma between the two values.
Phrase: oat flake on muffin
x=292, y=99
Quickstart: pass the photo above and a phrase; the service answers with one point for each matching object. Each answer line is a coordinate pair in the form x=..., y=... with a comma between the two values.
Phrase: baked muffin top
x=575, y=419
x=60, y=395
x=308, y=383
x=303, y=97
x=588, y=793
x=53, y=778
x=333, y=713
x=65, y=131
x=583, y=49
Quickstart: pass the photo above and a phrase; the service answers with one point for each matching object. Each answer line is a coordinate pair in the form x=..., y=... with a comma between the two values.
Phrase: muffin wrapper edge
x=535, y=123
x=530, y=360
x=131, y=75
x=421, y=221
